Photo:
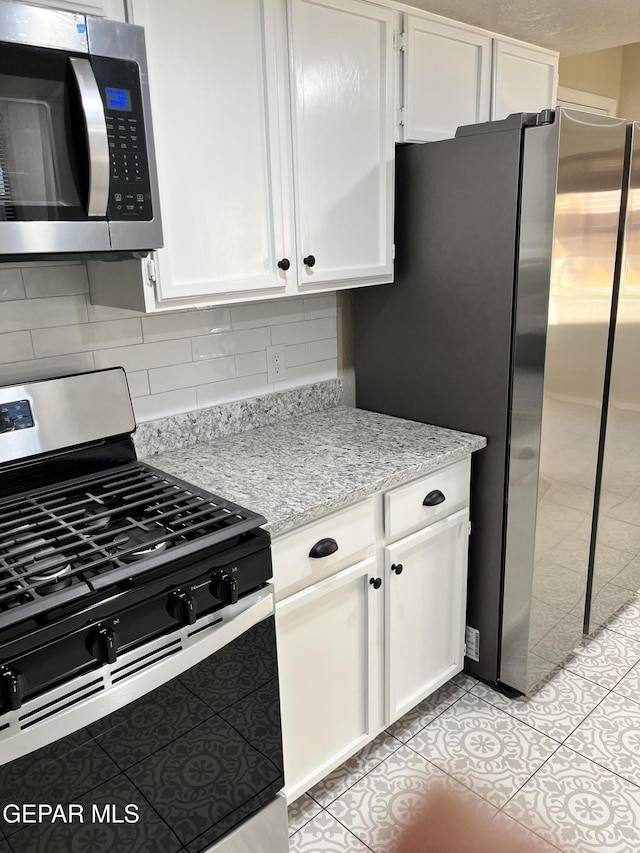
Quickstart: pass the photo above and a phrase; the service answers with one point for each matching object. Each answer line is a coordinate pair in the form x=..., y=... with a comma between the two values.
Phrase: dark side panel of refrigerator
x=483, y=331
x=436, y=345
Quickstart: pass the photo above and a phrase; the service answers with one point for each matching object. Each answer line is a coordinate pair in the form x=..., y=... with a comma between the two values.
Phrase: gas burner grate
x=89, y=534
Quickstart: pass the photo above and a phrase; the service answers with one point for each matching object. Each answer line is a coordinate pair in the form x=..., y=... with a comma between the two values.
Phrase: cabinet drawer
x=404, y=508
x=351, y=529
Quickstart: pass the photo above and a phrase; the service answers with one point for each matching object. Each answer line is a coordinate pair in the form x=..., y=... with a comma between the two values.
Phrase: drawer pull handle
x=434, y=498
x=376, y=583
x=324, y=548
x=397, y=568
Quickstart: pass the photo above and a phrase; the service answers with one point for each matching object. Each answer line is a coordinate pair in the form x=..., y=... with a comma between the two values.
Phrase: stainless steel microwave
x=77, y=166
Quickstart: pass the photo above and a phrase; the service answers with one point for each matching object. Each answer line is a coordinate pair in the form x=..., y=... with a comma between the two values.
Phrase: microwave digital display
x=118, y=99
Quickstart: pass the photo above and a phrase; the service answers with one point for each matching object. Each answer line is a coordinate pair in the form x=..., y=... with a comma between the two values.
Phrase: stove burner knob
x=225, y=588
x=102, y=644
x=181, y=606
x=11, y=688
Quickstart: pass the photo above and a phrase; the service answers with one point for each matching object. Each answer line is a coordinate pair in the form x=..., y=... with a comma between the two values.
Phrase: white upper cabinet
x=446, y=79
x=525, y=79
x=343, y=128
x=218, y=93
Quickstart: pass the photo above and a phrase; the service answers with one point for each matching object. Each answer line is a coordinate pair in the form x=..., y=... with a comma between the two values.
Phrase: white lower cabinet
x=426, y=577
x=329, y=650
x=360, y=645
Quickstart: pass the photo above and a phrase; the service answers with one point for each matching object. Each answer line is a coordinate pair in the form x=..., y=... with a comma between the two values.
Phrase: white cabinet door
x=343, y=103
x=446, y=79
x=218, y=93
x=425, y=576
x=330, y=665
x=525, y=79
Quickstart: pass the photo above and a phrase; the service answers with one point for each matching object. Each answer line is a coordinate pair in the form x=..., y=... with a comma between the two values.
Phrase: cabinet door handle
x=397, y=568
x=323, y=548
x=434, y=498
x=376, y=583
x=309, y=261
x=284, y=264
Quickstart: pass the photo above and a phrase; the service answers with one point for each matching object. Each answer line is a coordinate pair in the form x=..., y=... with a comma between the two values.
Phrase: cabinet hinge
x=400, y=41
x=469, y=528
x=151, y=271
x=401, y=116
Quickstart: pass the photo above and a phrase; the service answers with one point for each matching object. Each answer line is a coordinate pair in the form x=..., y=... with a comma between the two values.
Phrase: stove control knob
x=11, y=688
x=181, y=606
x=102, y=644
x=225, y=587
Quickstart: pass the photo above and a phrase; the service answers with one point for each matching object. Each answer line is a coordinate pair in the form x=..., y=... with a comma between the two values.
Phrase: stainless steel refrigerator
x=501, y=321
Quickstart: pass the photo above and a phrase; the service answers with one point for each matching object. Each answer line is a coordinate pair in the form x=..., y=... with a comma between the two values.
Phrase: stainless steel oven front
x=175, y=746
x=77, y=163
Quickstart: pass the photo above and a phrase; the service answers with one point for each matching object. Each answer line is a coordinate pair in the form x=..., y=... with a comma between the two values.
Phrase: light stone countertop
x=307, y=466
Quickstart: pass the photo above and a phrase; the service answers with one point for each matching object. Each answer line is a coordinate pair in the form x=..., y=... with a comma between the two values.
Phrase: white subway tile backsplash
x=195, y=373
x=11, y=286
x=186, y=324
x=294, y=355
x=87, y=336
x=100, y=313
x=316, y=307
x=299, y=333
x=162, y=405
x=230, y=343
x=233, y=389
x=24, y=314
x=43, y=368
x=316, y=372
x=55, y=280
x=175, y=362
x=138, y=381
x=15, y=346
x=250, y=363
x=145, y=356
x=267, y=313
x=322, y=350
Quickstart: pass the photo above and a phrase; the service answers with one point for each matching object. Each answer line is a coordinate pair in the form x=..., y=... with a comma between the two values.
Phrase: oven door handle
x=95, y=123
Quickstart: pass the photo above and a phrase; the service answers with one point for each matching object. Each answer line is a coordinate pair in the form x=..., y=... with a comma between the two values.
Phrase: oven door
x=175, y=746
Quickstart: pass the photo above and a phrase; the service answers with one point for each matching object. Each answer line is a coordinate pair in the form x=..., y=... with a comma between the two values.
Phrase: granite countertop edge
x=404, y=475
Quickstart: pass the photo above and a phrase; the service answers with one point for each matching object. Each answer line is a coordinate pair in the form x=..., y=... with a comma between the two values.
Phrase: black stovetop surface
x=90, y=536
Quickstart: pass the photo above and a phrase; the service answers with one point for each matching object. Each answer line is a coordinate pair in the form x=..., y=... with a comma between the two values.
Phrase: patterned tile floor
x=563, y=763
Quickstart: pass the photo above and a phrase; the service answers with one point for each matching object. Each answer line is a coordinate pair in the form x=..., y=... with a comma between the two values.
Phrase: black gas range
x=118, y=583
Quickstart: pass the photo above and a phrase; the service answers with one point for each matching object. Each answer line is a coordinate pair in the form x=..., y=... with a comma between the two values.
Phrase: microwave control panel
x=129, y=186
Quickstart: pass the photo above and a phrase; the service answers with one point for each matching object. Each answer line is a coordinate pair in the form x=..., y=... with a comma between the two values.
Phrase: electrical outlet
x=275, y=363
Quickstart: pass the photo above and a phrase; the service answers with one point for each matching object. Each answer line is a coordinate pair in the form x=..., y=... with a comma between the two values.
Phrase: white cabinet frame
x=433, y=102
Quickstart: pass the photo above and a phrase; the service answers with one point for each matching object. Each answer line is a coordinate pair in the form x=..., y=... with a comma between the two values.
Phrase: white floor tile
x=484, y=748
x=301, y=811
x=605, y=658
x=380, y=805
x=324, y=834
x=580, y=807
x=610, y=736
x=555, y=708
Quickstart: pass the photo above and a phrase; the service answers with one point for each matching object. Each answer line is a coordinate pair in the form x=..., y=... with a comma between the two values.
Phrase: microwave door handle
x=97, y=141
